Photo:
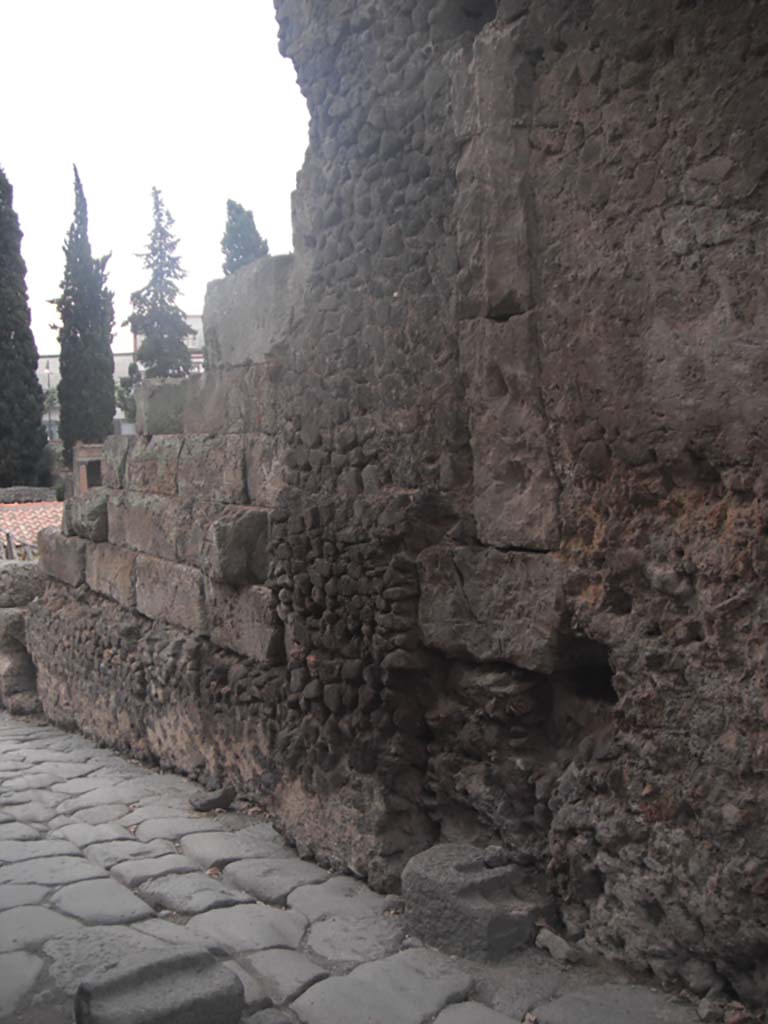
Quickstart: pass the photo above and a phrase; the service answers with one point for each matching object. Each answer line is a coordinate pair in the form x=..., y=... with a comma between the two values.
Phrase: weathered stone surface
x=454, y=902
x=605, y=1002
x=22, y=895
x=134, y=872
x=108, y=854
x=248, y=312
x=12, y=626
x=272, y=879
x=62, y=557
x=55, y=870
x=171, y=592
x=111, y=571
x=284, y=973
x=470, y=1013
x=77, y=954
x=188, y=893
x=152, y=465
x=18, y=974
x=340, y=896
x=254, y=994
x=100, y=901
x=265, y=469
x=30, y=927
x=251, y=928
x=159, y=406
x=171, y=828
x=236, y=549
x=244, y=620
x=354, y=940
x=17, y=673
x=231, y=400
x=213, y=468
x=217, y=849
x=408, y=988
x=114, y=457
x=12, y=851
x=86, y=516
x=20, y=583
x=82, y=835
x=160, y=988
x=491, y=605
x=144, y=522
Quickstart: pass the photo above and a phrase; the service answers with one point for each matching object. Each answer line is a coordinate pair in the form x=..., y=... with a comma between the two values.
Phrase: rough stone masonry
x=462, y=536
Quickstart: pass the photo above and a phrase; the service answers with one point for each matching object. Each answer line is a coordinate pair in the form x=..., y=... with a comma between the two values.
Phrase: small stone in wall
x=557, y=947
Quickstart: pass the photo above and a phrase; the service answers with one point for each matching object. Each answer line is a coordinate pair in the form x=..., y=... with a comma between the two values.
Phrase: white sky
x=189, y=95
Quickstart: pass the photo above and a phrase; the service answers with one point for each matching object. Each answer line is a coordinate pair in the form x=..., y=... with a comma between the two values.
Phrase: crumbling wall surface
x=20, y=584
x=469, y=544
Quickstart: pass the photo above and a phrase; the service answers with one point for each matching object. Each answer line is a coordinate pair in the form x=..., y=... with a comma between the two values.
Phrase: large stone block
x=248, y=312
x=244, y=620
x=173, y=593
x=231, y=400
x=110, y=571
x=492, y=605
x=12, y=627
x=17, y=673
x=86, y=515
x=144, y=522
x=113, y=460
x=213, y=468
x=264, y=469
x=515, y=488
x=62, y=557
x=236, y=548
x=21, y=582
x=152, y=464
x=159, y=406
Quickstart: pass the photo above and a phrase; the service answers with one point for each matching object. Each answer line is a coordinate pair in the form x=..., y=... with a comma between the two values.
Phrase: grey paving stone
x=51, y=871
x=216, y=849
x=251, y=928
x=408, y=988
x=21, y=895
x=188, y=894
x=271, y=1016
x=78, y=785
x=31, y=780
x=17, y=830
x=171, y=828
x=29, y=927
x=272, y=879
x=134, y=872
x=471, y=1013
x=340, y=896
x=173, y=934
x=624, y=1004
x=284, y=973
x=254, y=994
x=100, y=901
x=345, y=940
x=175, y=986
x=109, y=854
x=175, y=807
x=18, y=973
x=83, y=835
x=12, y=850
x=13, y=800
x=101, y=814
x=123, y=793
x=34, y=812
x=74, y=956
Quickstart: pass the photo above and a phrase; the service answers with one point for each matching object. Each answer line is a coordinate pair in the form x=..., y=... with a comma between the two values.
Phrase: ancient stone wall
x=468, y=543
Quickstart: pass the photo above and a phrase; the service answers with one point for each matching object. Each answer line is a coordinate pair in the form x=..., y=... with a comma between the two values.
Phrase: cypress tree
x=87, y=387
x=242, y=243
x=22, y=435
x=156, y=317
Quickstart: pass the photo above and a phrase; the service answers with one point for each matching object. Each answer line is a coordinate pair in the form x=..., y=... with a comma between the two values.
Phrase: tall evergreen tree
x=242, y=243
x=87, y=387
x=156, y=317
x=22, y=435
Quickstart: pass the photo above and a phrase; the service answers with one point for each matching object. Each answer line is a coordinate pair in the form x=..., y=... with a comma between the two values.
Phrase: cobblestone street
x=104, y=864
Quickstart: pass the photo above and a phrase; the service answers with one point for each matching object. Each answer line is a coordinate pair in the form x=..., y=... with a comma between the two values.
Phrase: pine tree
x=156, y=317
x=87, y=388
x=22, y=435
x=242, y=243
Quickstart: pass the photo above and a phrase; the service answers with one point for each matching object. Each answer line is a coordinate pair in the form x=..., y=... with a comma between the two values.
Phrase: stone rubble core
x=103, y=922
x=461, y=538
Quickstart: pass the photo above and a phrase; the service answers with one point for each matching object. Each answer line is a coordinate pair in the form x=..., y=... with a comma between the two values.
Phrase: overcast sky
x=187, y=95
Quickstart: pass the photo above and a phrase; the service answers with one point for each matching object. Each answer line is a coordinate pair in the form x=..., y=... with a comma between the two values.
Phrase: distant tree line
x=86, y=394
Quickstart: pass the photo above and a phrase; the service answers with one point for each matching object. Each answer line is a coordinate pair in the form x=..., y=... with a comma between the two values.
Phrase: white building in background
x=49, y=375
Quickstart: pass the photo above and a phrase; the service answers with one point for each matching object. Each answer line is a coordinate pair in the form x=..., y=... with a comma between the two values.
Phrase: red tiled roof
x=25, y=520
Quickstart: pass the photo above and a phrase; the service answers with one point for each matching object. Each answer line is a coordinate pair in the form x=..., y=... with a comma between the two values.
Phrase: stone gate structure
x=463, y=535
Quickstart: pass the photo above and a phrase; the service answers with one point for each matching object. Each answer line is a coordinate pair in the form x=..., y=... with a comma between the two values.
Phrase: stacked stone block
x=20, y=583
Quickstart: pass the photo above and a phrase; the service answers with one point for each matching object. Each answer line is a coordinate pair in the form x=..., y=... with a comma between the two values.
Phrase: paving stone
x=100, y=901
x=271, y=1016
x=408, y=988
x=17, y=830
x=627, y=1004
x=18, y=973
x=216, y=849
x=12, y=851
x=159, y=811
x=273, y=879
x=472, y=1013
x=254, y=993
x=101, y=814
x=74, y=956
x=78, y=785
x=134, y=872
x=340, y=896
x=251, y=928
x=83, y=835
x=171, y=828
x=355, y=940
x=51, y=871
x=28, y=927
x=21, y=895
x=284, y=973
x=109, y=854
x=173, y=934
x=34, y=811
x=188, y=894
x=175, y=986
x=31, y=780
